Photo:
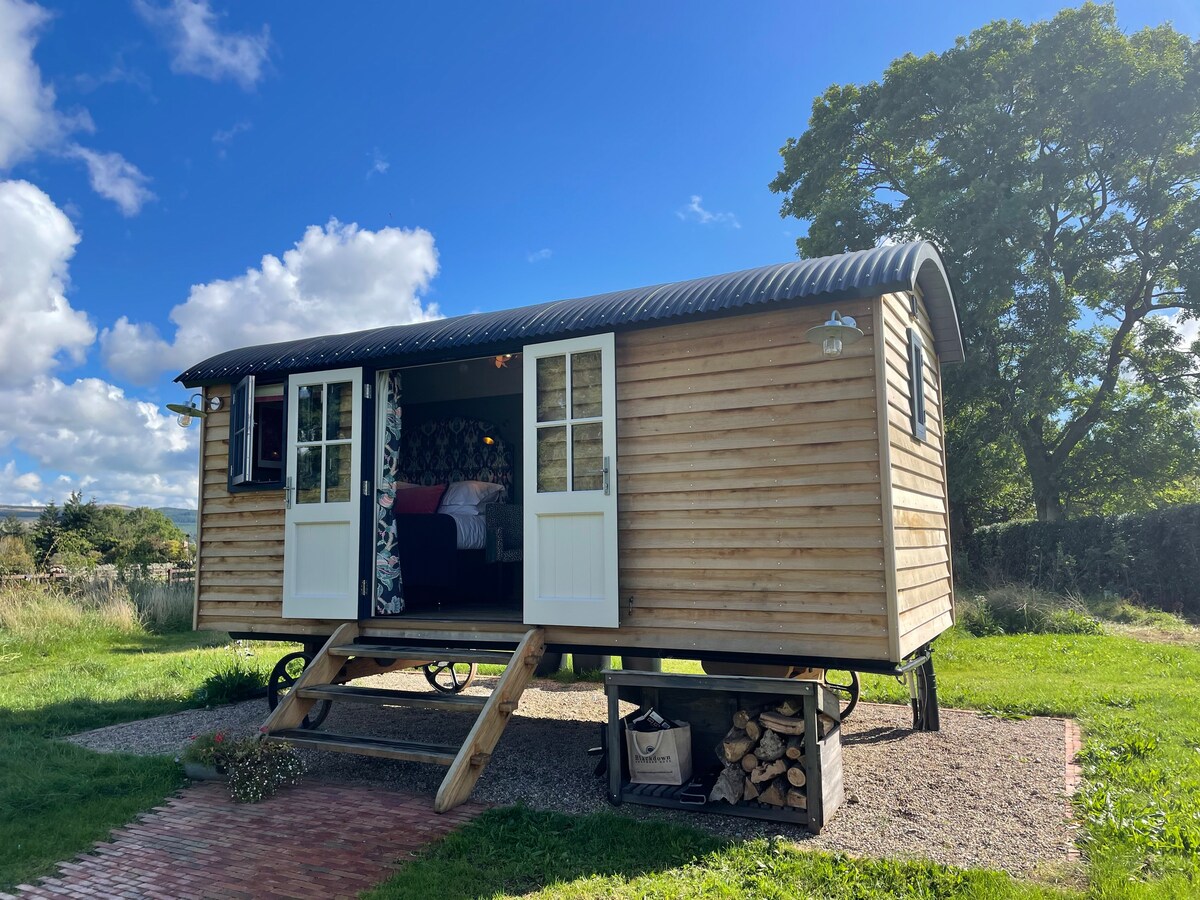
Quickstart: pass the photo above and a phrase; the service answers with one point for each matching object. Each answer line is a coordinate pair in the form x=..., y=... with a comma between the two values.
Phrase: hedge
x=1152, y=558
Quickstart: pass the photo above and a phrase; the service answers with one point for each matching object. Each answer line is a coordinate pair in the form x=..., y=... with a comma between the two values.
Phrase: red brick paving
x=310, y=841
x=1073, y=775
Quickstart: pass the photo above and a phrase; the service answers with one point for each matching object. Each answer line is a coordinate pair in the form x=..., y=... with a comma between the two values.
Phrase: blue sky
x=393, y=161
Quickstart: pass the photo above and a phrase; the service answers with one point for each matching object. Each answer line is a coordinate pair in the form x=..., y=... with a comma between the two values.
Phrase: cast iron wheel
x=846, y=687
x=285, y=674
x=450, y=678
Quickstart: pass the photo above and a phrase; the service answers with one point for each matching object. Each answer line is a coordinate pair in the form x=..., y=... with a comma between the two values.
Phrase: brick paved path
x=307, y=841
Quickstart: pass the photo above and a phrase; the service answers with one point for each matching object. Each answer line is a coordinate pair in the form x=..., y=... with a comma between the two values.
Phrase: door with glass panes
x=321, y=522
x=570, y=492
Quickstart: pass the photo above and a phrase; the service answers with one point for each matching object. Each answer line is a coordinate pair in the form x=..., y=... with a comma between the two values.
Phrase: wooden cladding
x=748, y=498
x=239, y=579
x=916, y=489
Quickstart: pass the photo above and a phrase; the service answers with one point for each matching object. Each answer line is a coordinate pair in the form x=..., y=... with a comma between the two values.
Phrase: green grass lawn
x=1138, y=703
x=65, y=670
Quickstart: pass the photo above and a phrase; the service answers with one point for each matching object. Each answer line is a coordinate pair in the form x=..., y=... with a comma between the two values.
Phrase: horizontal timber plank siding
x=917, y=472
x=239, y=575
x=748, y=490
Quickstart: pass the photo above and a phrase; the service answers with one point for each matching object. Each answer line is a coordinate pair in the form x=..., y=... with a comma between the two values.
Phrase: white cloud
x=113, y=447
x=29, y=121
x=379, y=163
x=695, y=212
x=335, y=279
x=539, y=255
x=24, y=488
x=200, y=48
x=223, y=137
x=115, y=177
x=38, y=326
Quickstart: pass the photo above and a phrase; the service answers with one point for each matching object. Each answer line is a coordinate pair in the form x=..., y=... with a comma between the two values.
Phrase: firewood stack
x=763, y=756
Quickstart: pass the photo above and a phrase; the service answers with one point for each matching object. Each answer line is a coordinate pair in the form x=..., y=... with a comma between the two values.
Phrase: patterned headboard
x=445, y=450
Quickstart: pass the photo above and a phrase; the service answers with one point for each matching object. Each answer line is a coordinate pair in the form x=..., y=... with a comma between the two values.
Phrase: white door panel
x=321, y=524
x=570, y=482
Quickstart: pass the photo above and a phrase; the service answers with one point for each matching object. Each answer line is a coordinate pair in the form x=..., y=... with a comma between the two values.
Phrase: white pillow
x=471, y=493
x=454, y=509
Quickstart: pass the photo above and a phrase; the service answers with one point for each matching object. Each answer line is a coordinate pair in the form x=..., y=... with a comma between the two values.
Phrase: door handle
x=287, y=492
x=607, y=480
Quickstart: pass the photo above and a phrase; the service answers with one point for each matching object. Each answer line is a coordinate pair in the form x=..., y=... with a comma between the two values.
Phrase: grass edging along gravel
x=67, y=665
x=519, y=852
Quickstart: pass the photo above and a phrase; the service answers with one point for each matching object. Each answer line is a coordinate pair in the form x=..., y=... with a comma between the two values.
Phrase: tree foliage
x=83, y=534
x=1056, y=165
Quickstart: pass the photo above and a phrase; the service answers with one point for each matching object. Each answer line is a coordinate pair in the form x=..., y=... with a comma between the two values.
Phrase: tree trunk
x=1043, y=474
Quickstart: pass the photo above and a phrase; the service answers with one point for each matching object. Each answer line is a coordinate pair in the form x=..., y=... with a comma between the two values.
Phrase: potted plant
x=254, y=767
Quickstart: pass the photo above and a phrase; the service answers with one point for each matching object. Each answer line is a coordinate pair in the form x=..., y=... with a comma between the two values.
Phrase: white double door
x=322, y=521
x=570, y=482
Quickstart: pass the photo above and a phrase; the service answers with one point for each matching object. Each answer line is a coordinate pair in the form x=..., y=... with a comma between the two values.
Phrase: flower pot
x=202, y=772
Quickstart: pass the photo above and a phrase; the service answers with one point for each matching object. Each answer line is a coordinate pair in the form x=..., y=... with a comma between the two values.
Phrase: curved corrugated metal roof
x=864, y=273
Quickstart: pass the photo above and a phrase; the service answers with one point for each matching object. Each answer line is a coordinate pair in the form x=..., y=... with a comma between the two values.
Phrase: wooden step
x=388, y=697
x=440, y=654
x=438, y=754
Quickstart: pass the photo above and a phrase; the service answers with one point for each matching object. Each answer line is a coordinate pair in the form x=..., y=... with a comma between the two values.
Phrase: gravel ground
x=982, y=792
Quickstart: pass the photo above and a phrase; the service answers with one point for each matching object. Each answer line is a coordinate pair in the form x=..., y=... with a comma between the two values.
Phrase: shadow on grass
x=516, y=851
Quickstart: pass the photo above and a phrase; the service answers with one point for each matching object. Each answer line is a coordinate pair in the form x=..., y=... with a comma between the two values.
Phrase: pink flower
x=219, y=737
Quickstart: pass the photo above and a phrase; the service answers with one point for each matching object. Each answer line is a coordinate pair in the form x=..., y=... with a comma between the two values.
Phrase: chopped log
x=797, y=799
x=734, y=746
x=749, y=791
x=741, y=717
x=749, y=761
x=729, y=785
x=775, y=795
x=770, y=748
x=782, y=724
x=796, y=776
x=767, y=771
x=795, y=747
x=753, y=730
x=825, y=723
x=792, y=706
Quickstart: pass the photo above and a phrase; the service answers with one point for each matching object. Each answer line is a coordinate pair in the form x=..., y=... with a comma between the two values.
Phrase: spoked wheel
x=845, y=686
x=284, y=676
x=450, y=678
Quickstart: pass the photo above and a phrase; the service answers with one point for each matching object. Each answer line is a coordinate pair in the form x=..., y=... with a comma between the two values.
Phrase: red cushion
x=419, y=499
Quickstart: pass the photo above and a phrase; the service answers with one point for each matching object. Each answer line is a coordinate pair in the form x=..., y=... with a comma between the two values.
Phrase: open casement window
x=256, y=435
x=916, y=383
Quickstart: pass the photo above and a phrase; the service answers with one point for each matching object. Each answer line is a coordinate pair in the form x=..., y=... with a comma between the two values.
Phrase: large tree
x=1056, y=165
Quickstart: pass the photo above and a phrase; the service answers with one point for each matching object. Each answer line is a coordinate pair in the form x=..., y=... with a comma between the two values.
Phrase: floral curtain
x=389, y=585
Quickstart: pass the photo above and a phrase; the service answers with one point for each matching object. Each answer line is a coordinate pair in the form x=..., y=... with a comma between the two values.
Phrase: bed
x=437, y=554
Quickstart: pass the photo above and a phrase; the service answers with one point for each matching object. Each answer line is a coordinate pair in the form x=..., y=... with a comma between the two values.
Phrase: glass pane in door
x=585, y=385
x=552, y=389
x=308, y=474
x=337, y=473
x=587, y=450
x=552, y=459
x=308, y=414
x=339, y=424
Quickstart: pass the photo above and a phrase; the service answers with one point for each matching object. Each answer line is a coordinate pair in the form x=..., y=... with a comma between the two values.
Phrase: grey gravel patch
x=982, y=792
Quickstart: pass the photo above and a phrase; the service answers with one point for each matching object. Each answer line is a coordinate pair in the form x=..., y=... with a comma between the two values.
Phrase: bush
x=236, y=680
x=1151, y=557
x=1022, y=610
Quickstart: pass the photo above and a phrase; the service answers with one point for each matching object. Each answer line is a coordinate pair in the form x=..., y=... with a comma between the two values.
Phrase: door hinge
x=366, y=489
x=366, y=391
x=362, y=588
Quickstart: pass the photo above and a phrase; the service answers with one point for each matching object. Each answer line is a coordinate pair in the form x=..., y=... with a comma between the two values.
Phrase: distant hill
x=185, y=519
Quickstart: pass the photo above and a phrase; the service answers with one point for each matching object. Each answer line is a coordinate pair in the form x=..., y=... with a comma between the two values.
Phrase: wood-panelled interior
x=240, y=570
x=924, y=596
x=749, y=515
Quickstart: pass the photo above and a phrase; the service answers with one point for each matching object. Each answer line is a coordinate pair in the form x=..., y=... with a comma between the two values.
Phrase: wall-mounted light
x=840, y=331
x=501, y=361
x=489, y=440
x=193, y=410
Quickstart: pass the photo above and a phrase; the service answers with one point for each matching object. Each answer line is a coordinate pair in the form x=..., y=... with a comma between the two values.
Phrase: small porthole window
x=916, y=383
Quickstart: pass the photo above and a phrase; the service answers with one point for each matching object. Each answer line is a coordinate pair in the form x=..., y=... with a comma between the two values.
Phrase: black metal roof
x=863, y=273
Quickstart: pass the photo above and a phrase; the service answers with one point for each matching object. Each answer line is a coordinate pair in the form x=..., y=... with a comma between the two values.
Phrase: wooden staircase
x=465, y=763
